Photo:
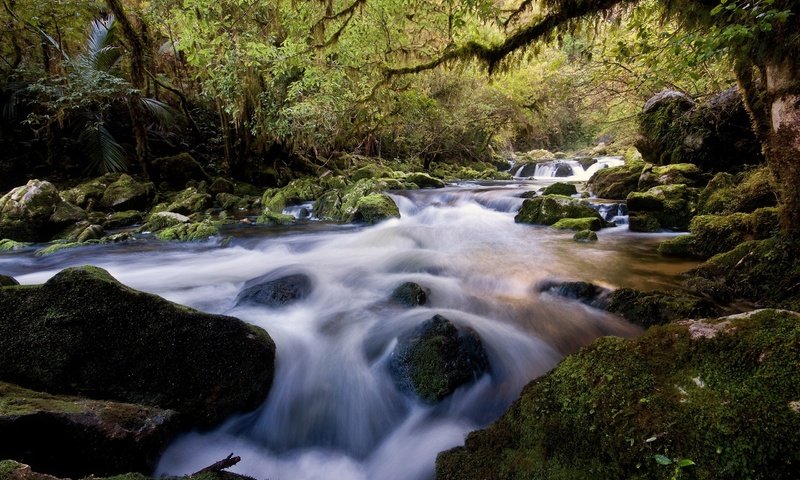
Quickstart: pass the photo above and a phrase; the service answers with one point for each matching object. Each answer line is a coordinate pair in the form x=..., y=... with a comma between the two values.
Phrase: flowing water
x=333, y=411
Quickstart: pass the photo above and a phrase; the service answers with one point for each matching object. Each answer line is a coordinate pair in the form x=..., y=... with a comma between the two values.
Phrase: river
x=334, y=412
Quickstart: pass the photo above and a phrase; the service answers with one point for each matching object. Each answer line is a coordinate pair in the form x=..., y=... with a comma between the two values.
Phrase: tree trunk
x=782, y=148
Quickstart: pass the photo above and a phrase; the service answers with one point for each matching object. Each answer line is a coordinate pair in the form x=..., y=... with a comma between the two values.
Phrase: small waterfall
x=567, y=169
x=300, y=212
x=616, y=212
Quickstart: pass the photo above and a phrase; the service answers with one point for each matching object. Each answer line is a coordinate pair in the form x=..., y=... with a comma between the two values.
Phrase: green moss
x=590, y=223
x=657, y=308
x=189, y=232
x=616, y=183
x=374, y=208
x=189, y=201
x=585, y=236
x=128, y=194
x=680, y=246
x=717, y=392
x=549, y=209
x=270, y=218
x=7, y=245
x=123, y=219
x=372, y=170
x=423, y=180
x=57, y=247
x=560, y=188
x=160, y=220
x=670, y=206
x=744, y=192
x=296, y=192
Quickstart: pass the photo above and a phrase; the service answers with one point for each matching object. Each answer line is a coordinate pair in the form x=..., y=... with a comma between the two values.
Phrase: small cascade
x=300, y=212
x=571, y=170
x=612, y=212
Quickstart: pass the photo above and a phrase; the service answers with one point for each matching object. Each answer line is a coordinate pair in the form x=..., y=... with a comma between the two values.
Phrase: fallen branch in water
x=216, y=467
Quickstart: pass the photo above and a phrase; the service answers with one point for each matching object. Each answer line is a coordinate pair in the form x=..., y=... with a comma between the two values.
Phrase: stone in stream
x=584, y=292
x=563, y=170
x=273, y=290
x=409, y=294
x=549, y=209
x=35, y=212
x=6, y=281
x=436, y=358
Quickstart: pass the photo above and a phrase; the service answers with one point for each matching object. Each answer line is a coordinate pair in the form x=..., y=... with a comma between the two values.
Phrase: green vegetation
x=548, y=210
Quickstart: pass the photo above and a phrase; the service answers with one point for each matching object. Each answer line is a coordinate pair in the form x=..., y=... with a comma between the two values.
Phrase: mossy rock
x=221, y=185
x=189, y=201
x=8, y=245
x=6, y=281
x=229, y=201
x=657, y=308
x=88, y=195
x=375, y=208
x=176, y=170
x=744, y=192
x=372, y=170
x=765, y=272
x=423, y=180
x=722, y=393
x=269, y=218
x=409, y=295
x=679, y=173
x=295, y=193
x=670, y=206
x=126, y=218
x=128, y=194
x=73, y=436
x=585, y=236
x=276, y=289
x=560, y=188
x=66, y=214
x=584, y=292
x=589, y=223
x=161, y=220
x=13, y=470
x=95, y=337
x=189, y=232
x=26, y=212
x=549, y=209
x=435, y=358
x=616, y=183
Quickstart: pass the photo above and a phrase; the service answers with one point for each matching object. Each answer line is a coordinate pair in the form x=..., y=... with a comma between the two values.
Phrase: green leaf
x=663, y=460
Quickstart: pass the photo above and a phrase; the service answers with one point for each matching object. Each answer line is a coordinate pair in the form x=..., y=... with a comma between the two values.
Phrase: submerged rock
x=436, y=358
x=409, y=294
x=584, y=292
x=98, y=338
x=722, y=393
x=585, y=236
x=273, y=290
x=74, y=437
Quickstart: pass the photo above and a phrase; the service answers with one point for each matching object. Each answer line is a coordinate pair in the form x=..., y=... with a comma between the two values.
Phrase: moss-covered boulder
x=656, y=307
x=409, y=295
x=715, y=135
x=346, y=202
x=584, y=292
x=189, y=201
x=560, y=188
x=160, y=220
x=189, y=232
x=765, y=272
x=713, y=234
x=73, y=436
x=589, y=223
x=270, y=218
x=723, y=393
x=88, y=195
x=128, y=194
x=679, y=173
x=276, y=289
x=27, y=212
x=8, y=245
x=97, y=338
x=423, y=180
x=295, y=193
x=436, y=358
x=122, y=219
x=585, y=236
x=176, y=170
x=744, y=192
x=549, y=209
x=666, y=207
x=616, y=183
x=229, y=201
x=375, y=208
x=6, y=281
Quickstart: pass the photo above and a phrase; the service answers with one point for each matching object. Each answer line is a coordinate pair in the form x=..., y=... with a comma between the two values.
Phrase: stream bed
x=334, y=411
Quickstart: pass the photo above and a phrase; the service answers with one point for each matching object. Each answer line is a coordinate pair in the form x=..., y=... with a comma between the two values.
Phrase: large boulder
x=715, y=135
x=75, y=437
x=666, y=207
x=295, y=193
x=84, y=333
x=175, y=171
x=87, y=195
x=657, y=308
x=584, y=292
x=34, y=212
x=188, y=232
x=723, y=393
x=743, y=192
x=276, y=289
x=436, y=358
x=616, y=183
x=560, y=188
x=189, y=201
x=549, y=209
x=128, y=194
x=375, y=208
x=679, y=173
x=362, y=201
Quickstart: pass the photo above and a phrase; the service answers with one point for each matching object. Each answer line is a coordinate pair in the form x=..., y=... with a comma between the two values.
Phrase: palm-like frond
x=100, y=52
x=105, y=154
x=163, y=113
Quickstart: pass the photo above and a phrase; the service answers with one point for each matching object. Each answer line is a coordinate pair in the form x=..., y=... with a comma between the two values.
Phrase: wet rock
x=667, y=207
x=547, y=210
x=687, y=174
x=189, y=201
x=74, y=436
x=423, y=180
x=189, y=232
x=66, y=214
x=228, y=201
x=97, y=338
x=657, y=308
x=123, y=219
x=295, y=193
x=274, y=290
x=584, y=292
x=560, y=188
x=375, y=208
x=590, y=223
x=606, y=411
x=616, y=183
x=7, y=245
x=128, y=194
x=91, y=232
x=436, y=358
x=221, y=185
x=744, y=192
x=175, y=171
x=715, y=135
x=12, y=470
x=585, y=236
x=6, y=281
x=161, y=220
x=88, y=195
x=409, y=294
x=26, y=212
x=563, y=170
